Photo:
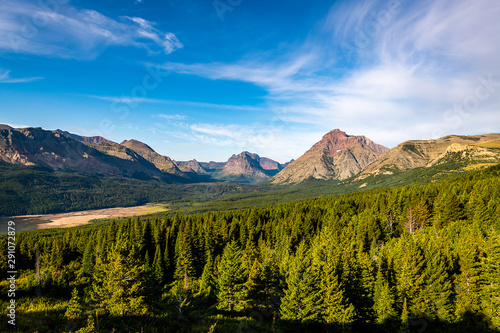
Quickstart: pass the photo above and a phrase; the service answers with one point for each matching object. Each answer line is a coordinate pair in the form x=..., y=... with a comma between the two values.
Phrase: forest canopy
x=406, y=259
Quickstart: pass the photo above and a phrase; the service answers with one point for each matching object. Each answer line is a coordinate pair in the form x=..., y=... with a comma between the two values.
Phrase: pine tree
x=208, y=282
x=365, y=285
x=118, y=282
x=405, y=327
x=311, y=294
x=292, y=302
x=74, y=308
x=335, y=308
x=490, y=281
x=184, y=269
x=384, y=301
x=409, y=273
x=88, y=261
x=422, y=214
x=468, y=289
x=434, y=300
x=158, y=266
x=231, y=279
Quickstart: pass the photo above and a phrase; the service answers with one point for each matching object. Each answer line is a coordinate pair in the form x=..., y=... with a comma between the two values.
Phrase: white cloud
x=266, y=140
x=66, y=32
x=403, y=81
x=5, y=78
x=171, y=116
x=195, y=105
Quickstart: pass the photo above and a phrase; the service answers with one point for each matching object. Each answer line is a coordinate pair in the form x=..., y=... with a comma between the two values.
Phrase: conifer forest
x=421, y=258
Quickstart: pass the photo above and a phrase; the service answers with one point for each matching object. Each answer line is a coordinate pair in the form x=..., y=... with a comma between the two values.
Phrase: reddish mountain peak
x=335, y=141
x=336, y=133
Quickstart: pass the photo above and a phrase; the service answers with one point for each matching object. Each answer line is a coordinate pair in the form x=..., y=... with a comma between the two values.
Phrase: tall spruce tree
x=468, y=287
x=296, y=291
x=158, y=266
x=384, y=300
x=232, y=276
x=490, y=281
x=208, y=281
x=118, y=281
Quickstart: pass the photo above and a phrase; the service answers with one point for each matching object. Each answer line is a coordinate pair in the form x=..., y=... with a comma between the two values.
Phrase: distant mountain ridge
x=88, y=139
x=248, y=166
x=62, y=150
x=336, y=156
x=163, y=163
x=413, y=154
x=35, y=146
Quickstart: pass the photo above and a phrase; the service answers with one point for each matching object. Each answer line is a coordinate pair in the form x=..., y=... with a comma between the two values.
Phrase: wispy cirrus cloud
x=66, y=32
x=391, y=70
x=194, y=105
x=6, y=78
x=232, y=138
x=171, y=116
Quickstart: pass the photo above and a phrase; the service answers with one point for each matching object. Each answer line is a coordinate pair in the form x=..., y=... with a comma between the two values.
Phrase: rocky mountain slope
x=88, y=139
x=163, y=163
x=244, y=166
x=336, y=156
x=59, y=151
x=426, y=153
x=192, y=166
x=247, y=167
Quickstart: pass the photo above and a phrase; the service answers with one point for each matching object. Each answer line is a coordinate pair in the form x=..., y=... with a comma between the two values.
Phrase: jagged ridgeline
x=411, y=259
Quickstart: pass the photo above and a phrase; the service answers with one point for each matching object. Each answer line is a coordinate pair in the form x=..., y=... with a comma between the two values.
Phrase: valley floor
x=73, y=219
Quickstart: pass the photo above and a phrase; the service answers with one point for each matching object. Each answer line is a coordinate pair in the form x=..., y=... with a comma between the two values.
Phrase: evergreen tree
x=405, y=327
x=184, y=268
x=296, y=291
x=422, y=214
x=434, y=300
x=384, y=301
x=88, y=260
x=208, y=281
x=118, y=282
x=263, y=282
x=158, y=266
x=335, y=308
x=74, y=308
x=231, y=279
x=409, y=274
x=491, y=280
x=468, y=289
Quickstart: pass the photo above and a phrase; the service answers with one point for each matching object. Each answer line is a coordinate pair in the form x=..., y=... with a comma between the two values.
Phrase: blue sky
x=206, y=79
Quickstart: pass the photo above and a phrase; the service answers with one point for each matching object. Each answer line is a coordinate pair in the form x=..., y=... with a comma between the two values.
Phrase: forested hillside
x=423, y=258
x=39, y=190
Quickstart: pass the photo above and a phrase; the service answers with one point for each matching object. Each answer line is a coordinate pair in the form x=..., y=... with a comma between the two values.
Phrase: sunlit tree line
x=384, y=260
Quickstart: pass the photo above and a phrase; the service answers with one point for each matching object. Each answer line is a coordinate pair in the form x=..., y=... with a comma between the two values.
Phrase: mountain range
x=337, y=156
x=64, y=151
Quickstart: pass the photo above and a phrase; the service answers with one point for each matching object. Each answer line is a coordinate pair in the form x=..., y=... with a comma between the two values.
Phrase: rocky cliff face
x=269, y=164
x=425, y=153
x=246, y=167
x=192, y=166
x=88, y=139
x=244, y=164
x=336, y=141
x=56, y=150
x=163, y=163
x=336, y=156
